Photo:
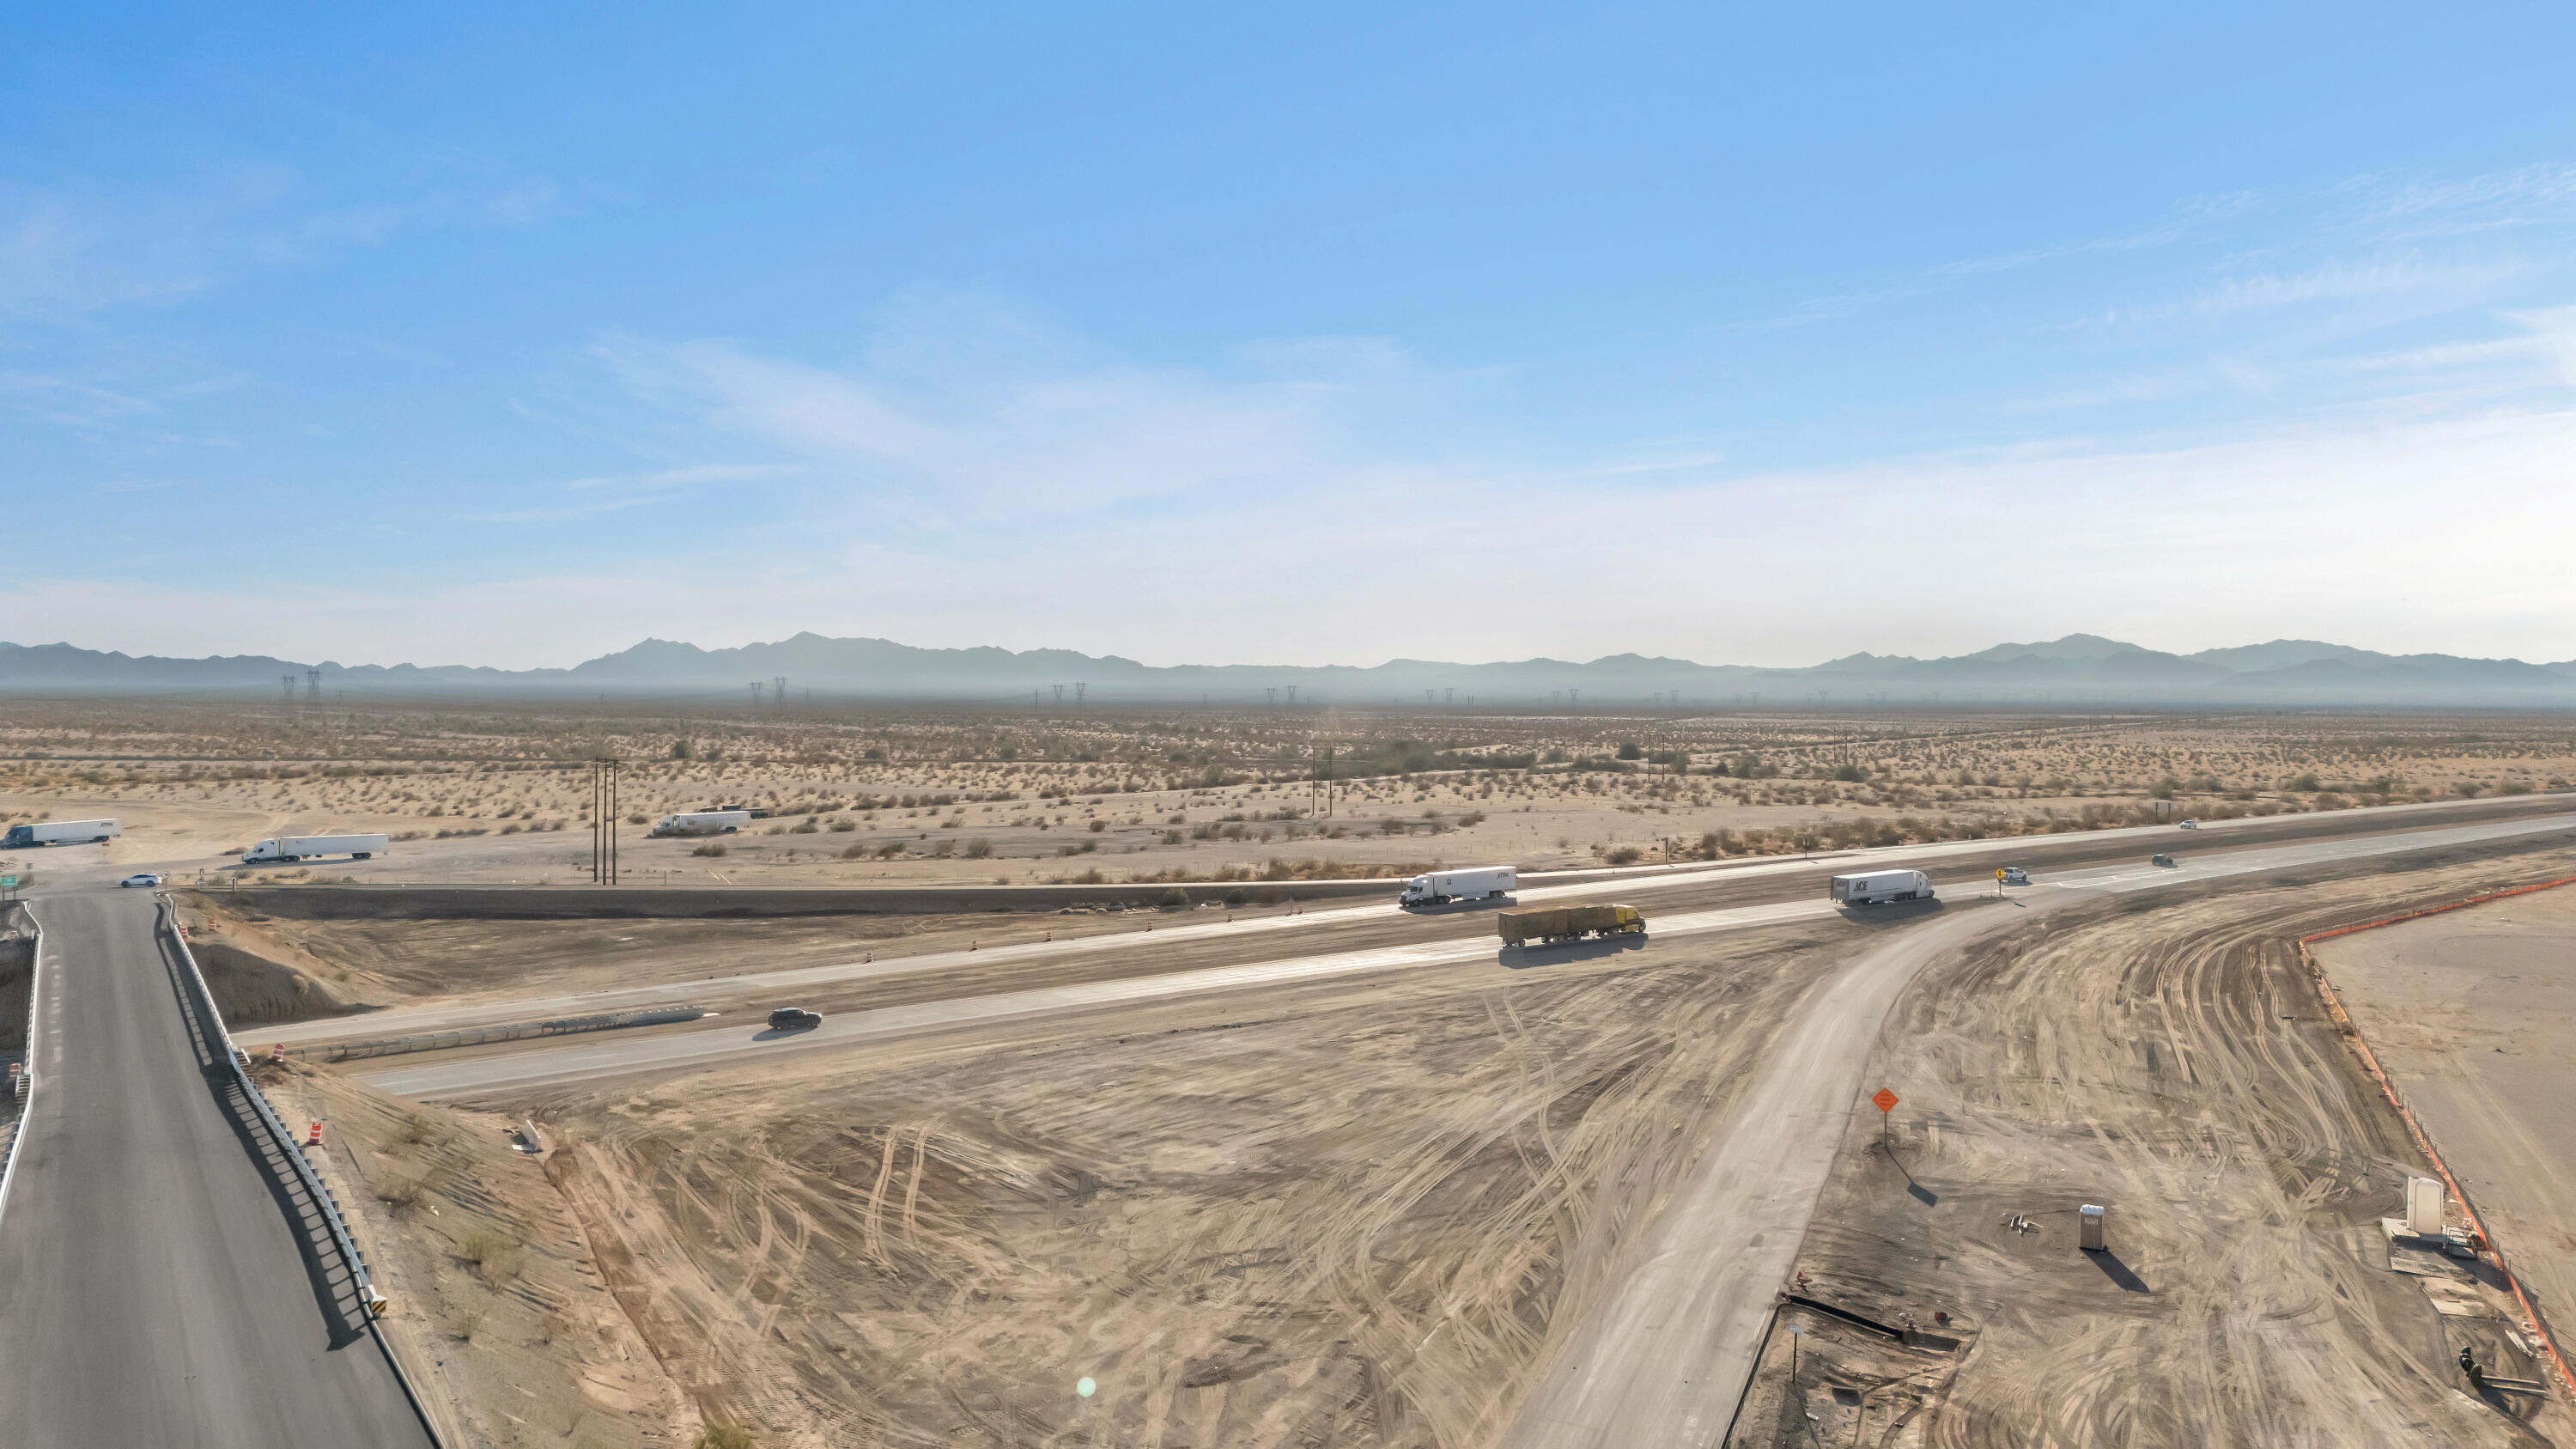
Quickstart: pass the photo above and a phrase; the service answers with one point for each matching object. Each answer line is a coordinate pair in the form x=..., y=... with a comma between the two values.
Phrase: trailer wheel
x=361, y=855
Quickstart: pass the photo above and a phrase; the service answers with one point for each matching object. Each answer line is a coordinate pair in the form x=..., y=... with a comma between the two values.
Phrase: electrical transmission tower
x=1292, y=696
x=313, y=686
x=288, y=680
x=1272, y=692
x=1078, y=688
x=778, y=695
x=1059, y=694
x=755, y=694
x=603, y=822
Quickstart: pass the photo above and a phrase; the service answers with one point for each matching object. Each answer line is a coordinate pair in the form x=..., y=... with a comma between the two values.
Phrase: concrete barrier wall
x=574, y=902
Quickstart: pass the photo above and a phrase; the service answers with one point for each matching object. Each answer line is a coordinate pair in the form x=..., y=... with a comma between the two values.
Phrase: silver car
x=140, y=880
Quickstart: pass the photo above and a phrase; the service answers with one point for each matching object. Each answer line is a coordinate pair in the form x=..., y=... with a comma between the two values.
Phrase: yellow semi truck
x=1568, y=923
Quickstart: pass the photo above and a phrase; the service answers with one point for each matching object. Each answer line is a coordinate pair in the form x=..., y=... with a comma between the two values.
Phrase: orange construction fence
x=2415, y=1129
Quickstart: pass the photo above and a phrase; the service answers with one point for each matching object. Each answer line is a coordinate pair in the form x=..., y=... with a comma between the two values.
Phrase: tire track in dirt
x=2178, y=1066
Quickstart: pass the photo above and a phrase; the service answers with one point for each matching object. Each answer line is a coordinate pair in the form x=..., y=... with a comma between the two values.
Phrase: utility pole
x=603, y=822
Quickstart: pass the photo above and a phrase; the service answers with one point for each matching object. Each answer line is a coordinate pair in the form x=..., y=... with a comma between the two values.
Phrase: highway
x=1176, y=944
x=161, y=1279
x=620, y=1054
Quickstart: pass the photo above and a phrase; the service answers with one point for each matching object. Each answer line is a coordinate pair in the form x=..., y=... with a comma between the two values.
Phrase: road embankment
x=570, y=902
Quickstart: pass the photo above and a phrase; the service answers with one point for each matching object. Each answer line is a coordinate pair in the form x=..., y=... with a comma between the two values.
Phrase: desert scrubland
x=919, y=794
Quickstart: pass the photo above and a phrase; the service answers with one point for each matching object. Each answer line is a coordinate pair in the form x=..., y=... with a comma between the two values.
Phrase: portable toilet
x=2088, y=1228
x=2424, y=1206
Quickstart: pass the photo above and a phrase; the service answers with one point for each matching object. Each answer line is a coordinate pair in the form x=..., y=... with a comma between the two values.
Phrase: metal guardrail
x=312, y=1180
x=26, y=1084
x=431, y=1041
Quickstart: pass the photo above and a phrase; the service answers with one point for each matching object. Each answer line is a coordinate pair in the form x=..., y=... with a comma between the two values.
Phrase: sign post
x=1885, y=1101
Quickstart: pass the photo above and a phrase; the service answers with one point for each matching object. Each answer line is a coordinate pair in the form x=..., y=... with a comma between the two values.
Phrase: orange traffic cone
x=314, y=1137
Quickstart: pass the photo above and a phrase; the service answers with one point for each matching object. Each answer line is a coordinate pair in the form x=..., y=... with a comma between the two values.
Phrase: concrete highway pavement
x=1175, y=944
x=162, y=1281
x=499, y=1074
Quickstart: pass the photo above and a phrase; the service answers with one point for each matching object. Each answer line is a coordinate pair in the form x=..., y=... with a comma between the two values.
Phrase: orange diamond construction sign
x=1885, y=1099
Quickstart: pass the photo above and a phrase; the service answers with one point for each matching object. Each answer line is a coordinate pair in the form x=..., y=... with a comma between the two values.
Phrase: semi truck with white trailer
x=60, y=832
x=702, y=822
x=1877, y=887
x=289, y=848
x=1476, y=883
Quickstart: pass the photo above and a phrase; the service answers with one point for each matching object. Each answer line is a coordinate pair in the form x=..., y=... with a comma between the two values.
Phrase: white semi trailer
x=314, y=847
x=1476, y=883
x=703, y=822
x=1878, y=887
x=60, y=832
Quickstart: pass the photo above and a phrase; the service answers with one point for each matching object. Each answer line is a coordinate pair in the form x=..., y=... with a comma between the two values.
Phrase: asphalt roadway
x=163, y=1280
x=500, y=1073
x=1176, y=944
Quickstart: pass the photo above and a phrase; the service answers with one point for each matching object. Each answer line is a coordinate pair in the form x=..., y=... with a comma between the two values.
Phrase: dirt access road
x=1662, y=1363
x=2178, y=1066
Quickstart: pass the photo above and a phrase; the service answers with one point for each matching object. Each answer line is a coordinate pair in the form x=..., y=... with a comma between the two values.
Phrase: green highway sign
x=8, y=882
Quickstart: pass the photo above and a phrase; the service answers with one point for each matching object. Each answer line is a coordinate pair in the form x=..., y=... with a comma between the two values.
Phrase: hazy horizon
x=1310, y=338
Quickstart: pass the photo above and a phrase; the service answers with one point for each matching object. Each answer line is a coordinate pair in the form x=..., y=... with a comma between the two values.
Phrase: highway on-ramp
x=160, y=1283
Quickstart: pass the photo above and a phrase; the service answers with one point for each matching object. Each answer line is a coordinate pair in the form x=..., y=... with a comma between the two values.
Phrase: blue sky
x=1311, y=335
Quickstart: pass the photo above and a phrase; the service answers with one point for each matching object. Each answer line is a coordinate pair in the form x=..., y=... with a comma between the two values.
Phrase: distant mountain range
x=2078, y=669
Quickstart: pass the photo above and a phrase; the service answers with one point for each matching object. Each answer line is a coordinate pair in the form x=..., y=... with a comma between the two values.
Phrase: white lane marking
x=567, y=1063
x=405, y=1021
x=27, y=1109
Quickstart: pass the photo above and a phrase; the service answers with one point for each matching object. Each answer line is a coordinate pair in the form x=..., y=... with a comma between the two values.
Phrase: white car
x=140, y=880
x=2014, y=875
x=2191, y=825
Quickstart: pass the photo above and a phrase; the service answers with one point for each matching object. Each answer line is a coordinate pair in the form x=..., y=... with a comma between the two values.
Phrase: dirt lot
x=2473, y=1016
x=1343, y=1216
x=2177, y=1066
x=914, y=795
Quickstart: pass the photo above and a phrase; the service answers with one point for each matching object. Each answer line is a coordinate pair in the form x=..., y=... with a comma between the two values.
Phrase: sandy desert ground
x=912, y=795
x=1358, y=1214
x=2179, y=1067
x=2473, y=1015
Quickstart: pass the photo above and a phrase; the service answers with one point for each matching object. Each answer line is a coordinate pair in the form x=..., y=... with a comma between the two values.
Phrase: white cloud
x=959, y=412
x=2444, y=536
x=66, y=251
